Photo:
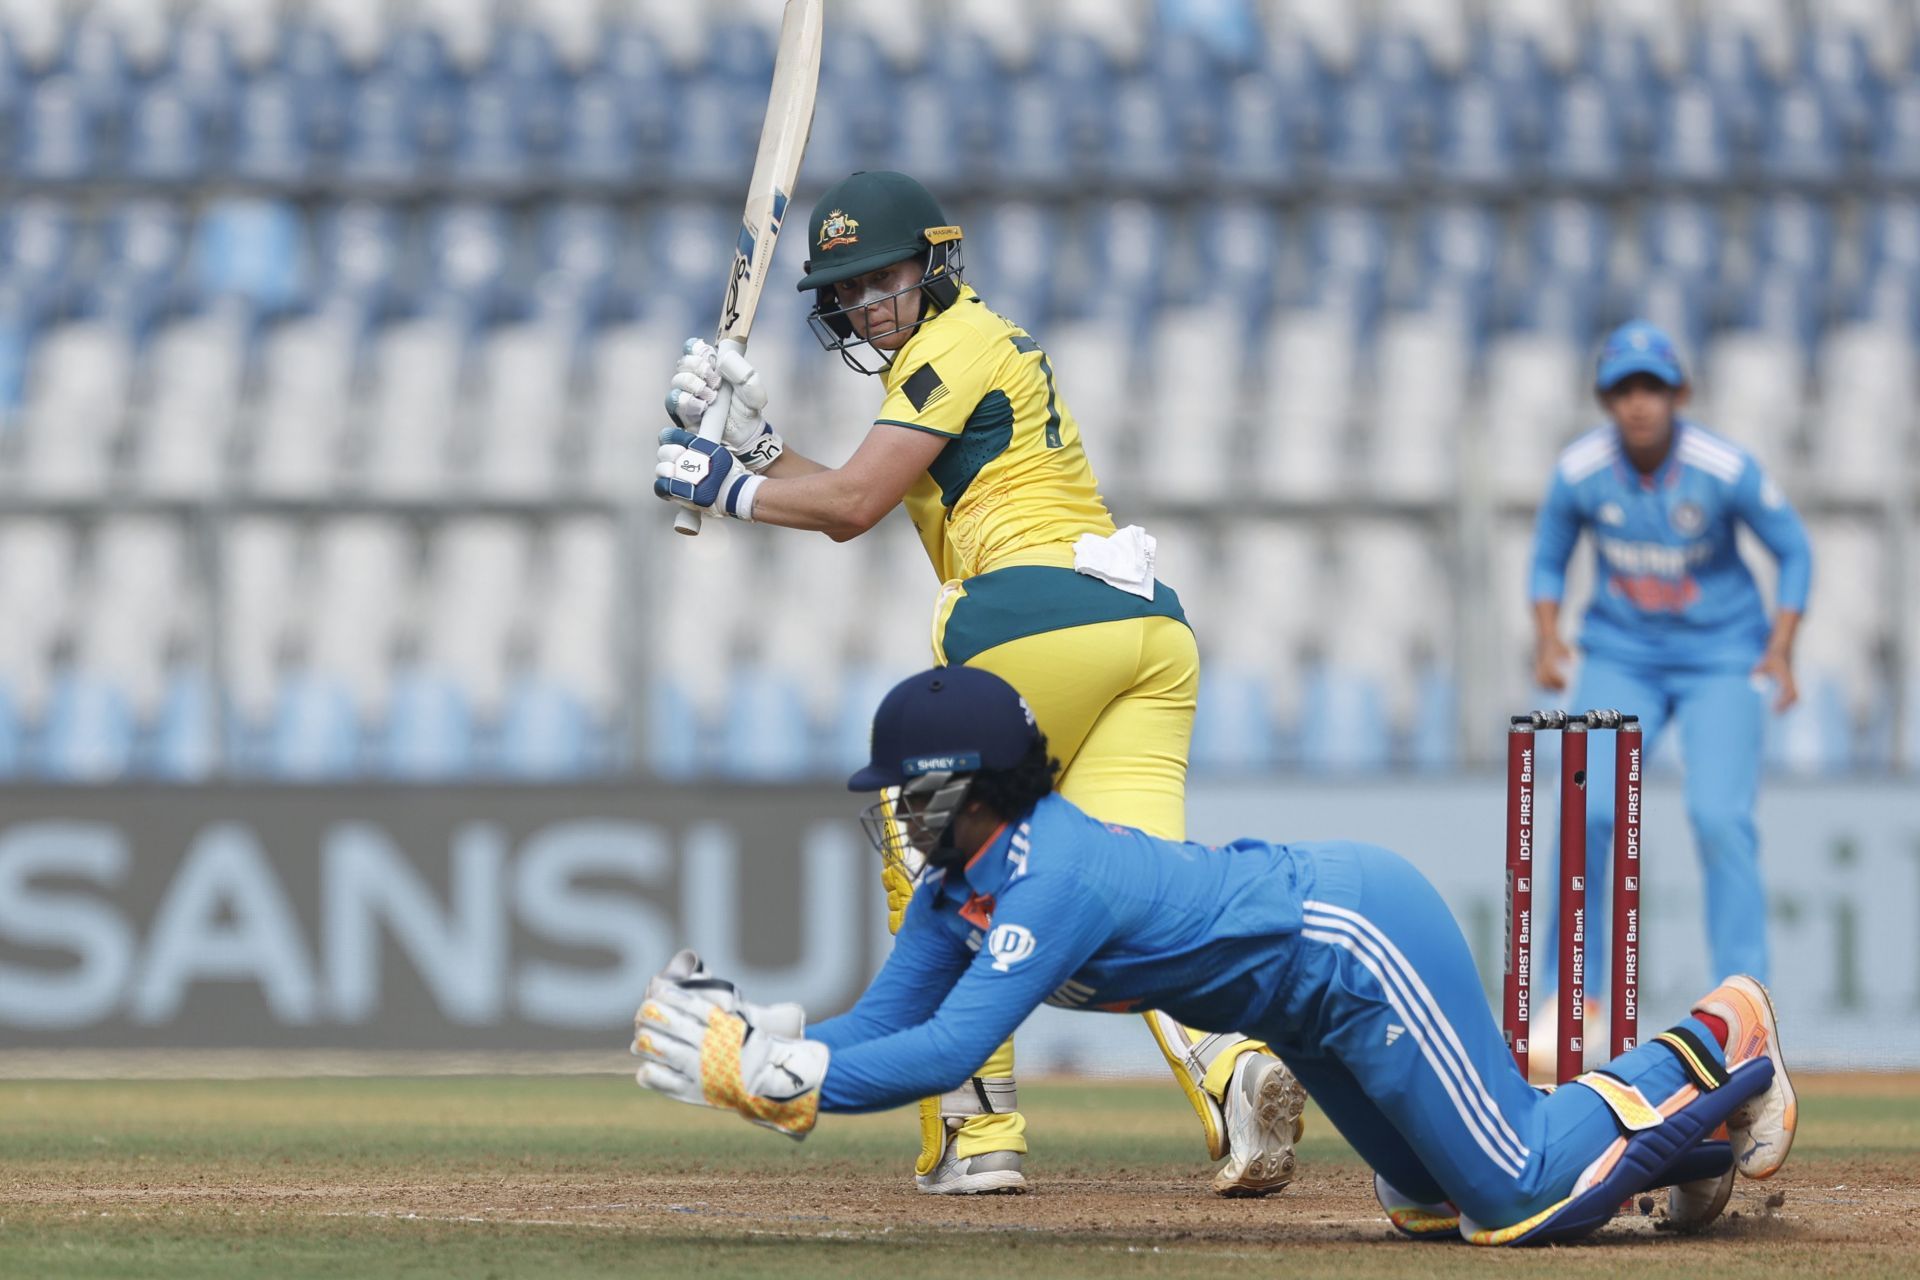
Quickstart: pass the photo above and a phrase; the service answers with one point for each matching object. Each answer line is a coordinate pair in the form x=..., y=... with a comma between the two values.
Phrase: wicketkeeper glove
x=686, y=971
x=702, y=476
x=696, y=381
x=700, y=1053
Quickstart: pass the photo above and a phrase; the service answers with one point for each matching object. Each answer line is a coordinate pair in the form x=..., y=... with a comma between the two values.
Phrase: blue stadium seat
x=1395, y=58
x=1474, y=146
x=1242, y=245
x=1463, y=241
x=1300, y=74
x=578, y=246
x=1804, y=144
x=314, y=734
x=382, y=143
x=599, y=141
x=204, y=66
x=766, y=735
x=1233, y=733
x=469, y=253
x=183, y=743
x=16, y=336
x=270, y=140
x=677, y=742
x=362, y=258
x=1570, y=237
x=711, y=146
x=1683, y=237
x=1726, y=58
x=1509, y=61
x=429, y=731
x=1343, y=723
x=144, y=243
x=1039, y=153
x=1895, y=153
x=310, y=57
x=1893, y=232
x=1433, y=741
x=741, y=52
x=1795, y=232
x=524, y=59
x=1143, y=147
x=492, y=149
x=96, y=61
x=1190, y=81
x=1692, y=144
x=252, y=251
x=88, y=732
x=1834, y=58
x=1783, y=301
x=545, y=732
x=684, y=247
x=1227, y=31
x=862, y=686
x=1584, y=142
x=1622, y=62
x=163, y=135
x=1888, y=295
x=1366, y=147
x=58, y=134
x=1564, y=304
x=1257, y=147
x=1349, y=239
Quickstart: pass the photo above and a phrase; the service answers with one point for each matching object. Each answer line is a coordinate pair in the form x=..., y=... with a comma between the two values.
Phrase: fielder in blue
x=1341, y=956
x=1677, y=630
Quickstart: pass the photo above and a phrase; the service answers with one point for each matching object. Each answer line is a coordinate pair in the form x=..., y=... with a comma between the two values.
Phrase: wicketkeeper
x=1038, y=587
x=1341, y=955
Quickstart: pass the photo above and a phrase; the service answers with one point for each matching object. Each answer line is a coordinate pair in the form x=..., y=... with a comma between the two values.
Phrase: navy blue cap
x=1638, y=347
x=947, y=719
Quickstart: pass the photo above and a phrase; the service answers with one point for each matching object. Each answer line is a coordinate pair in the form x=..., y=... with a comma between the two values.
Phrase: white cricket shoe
x=1762, y=1129
x=1693, y=1206
x=1264, y=1106
x=989, y=1173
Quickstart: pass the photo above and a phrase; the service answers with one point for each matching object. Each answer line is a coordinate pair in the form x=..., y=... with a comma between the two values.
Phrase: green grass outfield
x=587, y=1176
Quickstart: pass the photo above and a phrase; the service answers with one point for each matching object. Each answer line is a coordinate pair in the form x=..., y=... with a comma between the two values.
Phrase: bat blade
x=776, y=165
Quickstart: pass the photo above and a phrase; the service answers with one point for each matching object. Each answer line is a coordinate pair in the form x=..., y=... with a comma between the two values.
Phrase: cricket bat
x=783, y=140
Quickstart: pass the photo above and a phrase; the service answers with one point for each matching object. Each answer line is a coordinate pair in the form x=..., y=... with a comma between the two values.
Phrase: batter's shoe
x=1264, y=1106
x=989, y=1173
x=1694, y=1206
x=1761, y=1130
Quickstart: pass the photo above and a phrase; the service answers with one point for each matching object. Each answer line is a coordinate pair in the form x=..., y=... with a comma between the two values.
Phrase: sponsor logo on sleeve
x=1009, y=944
x=924, y=389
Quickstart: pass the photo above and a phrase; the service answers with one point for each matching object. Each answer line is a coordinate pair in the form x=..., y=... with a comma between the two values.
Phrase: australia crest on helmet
x=837, y=229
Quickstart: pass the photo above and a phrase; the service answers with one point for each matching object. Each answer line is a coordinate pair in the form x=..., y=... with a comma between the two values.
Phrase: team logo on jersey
x=1009, y=944
x=1610, y=513
x=1688, y=518
x=837, y=229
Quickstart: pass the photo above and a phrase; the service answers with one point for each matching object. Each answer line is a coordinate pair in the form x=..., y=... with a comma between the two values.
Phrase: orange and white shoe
x=1762, y=1129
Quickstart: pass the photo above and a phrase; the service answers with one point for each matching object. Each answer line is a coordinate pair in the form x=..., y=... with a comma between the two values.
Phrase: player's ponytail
x=1012, y=793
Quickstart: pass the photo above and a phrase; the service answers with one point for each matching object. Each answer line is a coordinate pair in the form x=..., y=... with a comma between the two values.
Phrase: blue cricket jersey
x=1066, y=910
x=1670, y=587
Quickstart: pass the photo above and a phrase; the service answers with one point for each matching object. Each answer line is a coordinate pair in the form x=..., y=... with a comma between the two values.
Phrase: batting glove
x=703, y=477
x=700, y=1053
x=696, y=381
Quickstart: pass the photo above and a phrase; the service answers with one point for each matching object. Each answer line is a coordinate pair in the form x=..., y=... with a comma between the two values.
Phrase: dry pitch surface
x=586, y=1176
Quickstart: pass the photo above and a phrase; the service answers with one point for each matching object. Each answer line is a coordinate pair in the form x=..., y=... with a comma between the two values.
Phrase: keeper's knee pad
x=1657, y=1145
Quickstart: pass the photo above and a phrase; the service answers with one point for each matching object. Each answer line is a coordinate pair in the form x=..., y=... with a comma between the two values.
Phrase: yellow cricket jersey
x=1013, y=487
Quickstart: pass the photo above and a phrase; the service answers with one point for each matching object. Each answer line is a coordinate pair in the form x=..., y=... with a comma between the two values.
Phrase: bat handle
x=713, y=424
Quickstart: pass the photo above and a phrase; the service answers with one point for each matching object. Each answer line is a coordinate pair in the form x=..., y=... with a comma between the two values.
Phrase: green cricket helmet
x=863, y=223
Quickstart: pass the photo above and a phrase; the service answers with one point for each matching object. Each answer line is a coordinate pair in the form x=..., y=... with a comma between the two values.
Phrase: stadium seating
x=401, y=282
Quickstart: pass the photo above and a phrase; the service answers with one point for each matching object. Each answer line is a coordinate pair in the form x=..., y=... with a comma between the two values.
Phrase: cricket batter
x=1341, y=955
x=976, y=439
x=1677, y=630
